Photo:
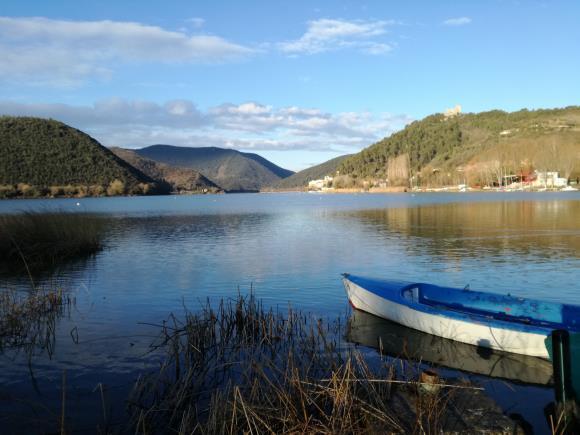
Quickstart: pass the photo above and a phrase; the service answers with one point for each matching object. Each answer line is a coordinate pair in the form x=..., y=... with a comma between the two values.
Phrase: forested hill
x=477, y=144
x=40, y=154
x=180, y=179
x=301, y=178
x=230, y=169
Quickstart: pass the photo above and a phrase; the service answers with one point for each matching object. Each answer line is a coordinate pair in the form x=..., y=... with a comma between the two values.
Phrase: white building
x=450, y=113
x=549, y=179
x=320, y=184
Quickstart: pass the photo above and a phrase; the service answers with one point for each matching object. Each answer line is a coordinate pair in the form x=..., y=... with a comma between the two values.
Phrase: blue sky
x=297, y=82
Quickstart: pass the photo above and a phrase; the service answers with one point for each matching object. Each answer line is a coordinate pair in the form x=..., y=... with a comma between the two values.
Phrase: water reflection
x=458, y=230
x=525, y=248
x=162, y=253
x=398, y=341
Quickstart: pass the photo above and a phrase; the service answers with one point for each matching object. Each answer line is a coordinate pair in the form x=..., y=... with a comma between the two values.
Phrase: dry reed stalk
x=28, y=319
x=239, y=368
x=40, y=240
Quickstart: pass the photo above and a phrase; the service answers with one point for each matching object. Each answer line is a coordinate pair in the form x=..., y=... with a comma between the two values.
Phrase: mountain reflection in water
x=459, y=230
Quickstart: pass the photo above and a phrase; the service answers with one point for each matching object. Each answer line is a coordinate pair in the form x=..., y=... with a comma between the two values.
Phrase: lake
x=166, y=253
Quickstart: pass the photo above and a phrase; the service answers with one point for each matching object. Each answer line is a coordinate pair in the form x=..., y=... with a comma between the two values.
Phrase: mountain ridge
x=45, y=157
x=230, y=169
x=181, y=180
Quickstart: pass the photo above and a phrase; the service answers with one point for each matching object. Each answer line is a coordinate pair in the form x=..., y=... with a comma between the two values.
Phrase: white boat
x=495, y=321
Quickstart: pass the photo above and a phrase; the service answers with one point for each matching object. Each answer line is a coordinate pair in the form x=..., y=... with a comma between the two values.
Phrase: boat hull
x=472, y=331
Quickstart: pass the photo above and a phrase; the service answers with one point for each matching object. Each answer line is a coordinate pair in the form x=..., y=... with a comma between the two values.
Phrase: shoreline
x=377, y=190
x=420, y=190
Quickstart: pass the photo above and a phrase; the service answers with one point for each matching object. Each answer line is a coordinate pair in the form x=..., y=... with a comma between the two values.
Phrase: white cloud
x=376, y=48
x=111, y=112
x=246, y=126
x=41, y=50
x=196, y=22
x=461, y=21
x=250, y=108
x=334, y=34
x=299, y=111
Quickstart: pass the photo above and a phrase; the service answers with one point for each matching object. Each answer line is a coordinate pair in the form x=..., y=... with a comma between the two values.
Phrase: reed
x=36, y=239
x=239, y=368
x=28, y=319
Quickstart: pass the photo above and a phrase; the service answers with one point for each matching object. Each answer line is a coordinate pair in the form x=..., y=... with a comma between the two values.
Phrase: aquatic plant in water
x=28, y=319
x=36, y=240
x=239, y=368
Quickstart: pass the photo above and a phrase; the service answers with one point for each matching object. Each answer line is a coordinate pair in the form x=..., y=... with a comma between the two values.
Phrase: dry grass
x=34, y=239
x=28, y=320
x=243, y=369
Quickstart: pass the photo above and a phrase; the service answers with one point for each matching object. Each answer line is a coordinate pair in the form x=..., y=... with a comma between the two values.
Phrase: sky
x=297, y=82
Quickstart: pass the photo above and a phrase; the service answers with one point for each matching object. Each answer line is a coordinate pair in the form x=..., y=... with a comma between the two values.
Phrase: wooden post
x=561, y=365
x=565, y=404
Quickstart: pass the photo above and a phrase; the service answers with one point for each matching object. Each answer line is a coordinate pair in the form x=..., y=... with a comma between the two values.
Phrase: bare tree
x=398, y=169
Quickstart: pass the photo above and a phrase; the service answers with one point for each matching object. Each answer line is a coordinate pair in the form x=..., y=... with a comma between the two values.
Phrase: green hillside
x=230, y=169
x=42, y=157
x=477, y=147
x=180, y=180
x=301, y=179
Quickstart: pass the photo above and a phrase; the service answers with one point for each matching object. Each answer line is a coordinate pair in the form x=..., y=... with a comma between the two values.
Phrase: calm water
x=166, y=252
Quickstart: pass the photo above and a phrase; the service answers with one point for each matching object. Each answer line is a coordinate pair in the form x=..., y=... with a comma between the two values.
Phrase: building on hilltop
x=450, y=113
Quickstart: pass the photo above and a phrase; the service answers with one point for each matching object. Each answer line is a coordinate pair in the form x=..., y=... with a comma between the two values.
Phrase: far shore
x=329, y=190
x=400, y=189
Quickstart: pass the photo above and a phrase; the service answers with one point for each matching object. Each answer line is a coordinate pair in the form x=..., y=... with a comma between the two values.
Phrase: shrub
x=26, y=190
x=8, y=191
x=70, y=190
x=144, y=188
x=82, y=191
x=97, y=190
x=116, y=187
x=56, y=191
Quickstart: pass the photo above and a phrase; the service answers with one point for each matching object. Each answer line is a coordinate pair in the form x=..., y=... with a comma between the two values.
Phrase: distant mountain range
x=42, y=157
x=230, y=169
x=180, y=180
x=302, y=178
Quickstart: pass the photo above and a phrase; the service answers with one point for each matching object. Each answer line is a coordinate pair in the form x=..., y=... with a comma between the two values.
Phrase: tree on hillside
x=398, y=170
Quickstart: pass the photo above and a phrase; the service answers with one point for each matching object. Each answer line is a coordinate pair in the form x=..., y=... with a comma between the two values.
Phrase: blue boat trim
x=490, y=309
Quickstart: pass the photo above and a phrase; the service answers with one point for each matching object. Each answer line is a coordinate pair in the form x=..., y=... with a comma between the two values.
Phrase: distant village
x=538, y=181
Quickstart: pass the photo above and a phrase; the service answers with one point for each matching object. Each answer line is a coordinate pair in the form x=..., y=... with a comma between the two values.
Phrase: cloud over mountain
x=245, y=126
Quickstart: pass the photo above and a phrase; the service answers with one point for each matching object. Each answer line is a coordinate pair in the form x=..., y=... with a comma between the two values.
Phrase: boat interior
x=495, y=306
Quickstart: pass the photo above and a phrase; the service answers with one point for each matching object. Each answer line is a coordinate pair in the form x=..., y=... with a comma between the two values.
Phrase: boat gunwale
x=484, y=317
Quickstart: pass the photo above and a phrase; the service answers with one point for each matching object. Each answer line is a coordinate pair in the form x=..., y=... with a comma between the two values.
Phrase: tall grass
x=37, y=239
x=28, y=319
x=239, y=368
